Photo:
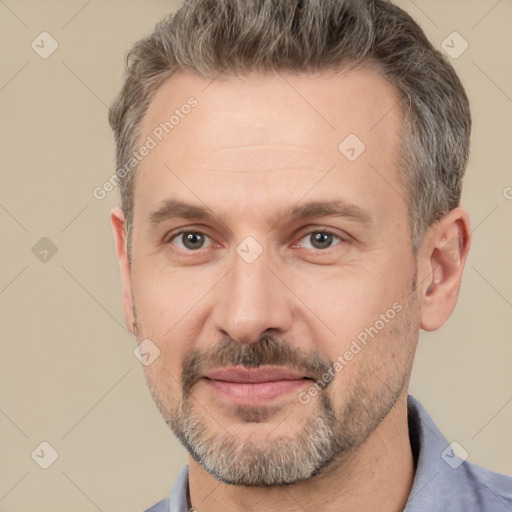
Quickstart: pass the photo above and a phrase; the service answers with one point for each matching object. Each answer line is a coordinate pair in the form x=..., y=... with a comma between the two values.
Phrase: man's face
x=277, y=255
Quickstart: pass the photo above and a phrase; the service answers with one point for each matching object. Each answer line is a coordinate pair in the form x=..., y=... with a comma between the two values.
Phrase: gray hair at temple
x=233, y=37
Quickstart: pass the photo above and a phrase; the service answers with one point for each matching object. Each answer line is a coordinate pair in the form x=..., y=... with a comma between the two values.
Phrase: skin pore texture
x=290, y=252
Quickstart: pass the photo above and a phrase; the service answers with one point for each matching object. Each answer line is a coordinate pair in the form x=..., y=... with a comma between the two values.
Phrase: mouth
x=254, y=386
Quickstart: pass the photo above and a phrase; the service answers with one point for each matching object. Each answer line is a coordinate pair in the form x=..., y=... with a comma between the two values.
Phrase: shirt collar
x=178, y=499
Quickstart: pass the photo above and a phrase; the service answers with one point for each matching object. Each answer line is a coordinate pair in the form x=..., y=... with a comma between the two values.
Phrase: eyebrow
x=172, y=209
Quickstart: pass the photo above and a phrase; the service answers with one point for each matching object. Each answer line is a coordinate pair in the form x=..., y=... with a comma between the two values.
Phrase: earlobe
x=444, y=255
x=117, y=220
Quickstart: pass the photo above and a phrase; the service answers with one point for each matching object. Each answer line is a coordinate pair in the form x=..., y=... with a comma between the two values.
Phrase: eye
x=190, y=240
x=319, y=240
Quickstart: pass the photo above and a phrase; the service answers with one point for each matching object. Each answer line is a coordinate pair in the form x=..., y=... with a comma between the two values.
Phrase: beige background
x=69, y=376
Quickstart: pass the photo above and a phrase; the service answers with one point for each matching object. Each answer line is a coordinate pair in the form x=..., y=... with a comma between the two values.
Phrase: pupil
x=193, y=240
x=321, y=240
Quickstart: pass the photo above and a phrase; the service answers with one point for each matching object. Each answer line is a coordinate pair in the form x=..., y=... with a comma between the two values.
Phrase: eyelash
x=324, y=232
x=169, y=240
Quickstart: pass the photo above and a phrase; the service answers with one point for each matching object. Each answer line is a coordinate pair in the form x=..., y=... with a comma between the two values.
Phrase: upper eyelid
x=319, y=230
x=173, y=233
x=202, y=230
x=342, y=236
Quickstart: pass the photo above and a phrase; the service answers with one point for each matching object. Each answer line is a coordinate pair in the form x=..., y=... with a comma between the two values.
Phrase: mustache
x=267, y=350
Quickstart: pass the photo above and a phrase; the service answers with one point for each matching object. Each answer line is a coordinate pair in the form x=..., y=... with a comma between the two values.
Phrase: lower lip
x=255, y=392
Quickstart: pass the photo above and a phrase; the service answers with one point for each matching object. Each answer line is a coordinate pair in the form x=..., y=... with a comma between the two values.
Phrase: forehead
x=269, y=136
x=332, y=103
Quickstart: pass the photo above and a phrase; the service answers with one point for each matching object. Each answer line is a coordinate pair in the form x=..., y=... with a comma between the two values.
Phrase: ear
x=117, y=220
x=442, y=257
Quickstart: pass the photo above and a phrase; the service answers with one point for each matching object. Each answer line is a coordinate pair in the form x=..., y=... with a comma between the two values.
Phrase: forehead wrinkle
x=289, y=169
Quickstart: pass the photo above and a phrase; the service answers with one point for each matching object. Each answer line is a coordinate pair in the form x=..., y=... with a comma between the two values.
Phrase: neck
x=376, y=477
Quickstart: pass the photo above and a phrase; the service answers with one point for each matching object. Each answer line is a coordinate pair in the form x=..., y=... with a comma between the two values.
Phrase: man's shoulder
x=488, y=485
x=161, y=506
x=445, y=481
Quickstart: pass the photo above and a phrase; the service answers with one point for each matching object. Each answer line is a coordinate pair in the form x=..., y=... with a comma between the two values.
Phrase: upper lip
x=242, y=374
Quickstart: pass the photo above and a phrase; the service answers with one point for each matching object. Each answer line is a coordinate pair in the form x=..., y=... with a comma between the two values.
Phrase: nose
x=251, y=302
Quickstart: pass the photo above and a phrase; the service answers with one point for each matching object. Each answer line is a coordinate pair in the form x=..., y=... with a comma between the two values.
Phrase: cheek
x=378, y=357
x=157, y=322
x=165, y=298
x=353, y=304
x=344, y=300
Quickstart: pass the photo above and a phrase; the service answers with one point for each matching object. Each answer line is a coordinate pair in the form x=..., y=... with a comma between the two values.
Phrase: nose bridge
x=250, y=281
x=252, y=300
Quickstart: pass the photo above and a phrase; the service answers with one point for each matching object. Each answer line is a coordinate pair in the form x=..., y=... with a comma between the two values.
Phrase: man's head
x=297, y=222
x=217, y=39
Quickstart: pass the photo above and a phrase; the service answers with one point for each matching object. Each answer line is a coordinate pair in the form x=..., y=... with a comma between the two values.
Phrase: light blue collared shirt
x=443, y=482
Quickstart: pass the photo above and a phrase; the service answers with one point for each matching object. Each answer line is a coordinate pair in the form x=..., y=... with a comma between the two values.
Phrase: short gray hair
x=210, y=37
